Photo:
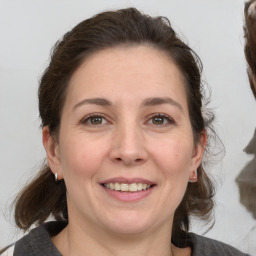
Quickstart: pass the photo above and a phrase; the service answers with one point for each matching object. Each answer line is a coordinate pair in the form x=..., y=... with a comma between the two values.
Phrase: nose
x=128, y=146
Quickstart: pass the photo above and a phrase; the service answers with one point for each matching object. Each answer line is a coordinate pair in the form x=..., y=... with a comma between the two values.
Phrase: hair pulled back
x=44, y=197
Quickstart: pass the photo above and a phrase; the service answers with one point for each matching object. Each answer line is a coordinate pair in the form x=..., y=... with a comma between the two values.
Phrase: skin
x=126, y=142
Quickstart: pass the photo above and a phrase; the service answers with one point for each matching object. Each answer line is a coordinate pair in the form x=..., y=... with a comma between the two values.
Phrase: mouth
x=126, y=187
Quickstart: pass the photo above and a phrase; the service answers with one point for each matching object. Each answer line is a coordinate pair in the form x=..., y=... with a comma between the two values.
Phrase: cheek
x=80, y=158
x=174, y=154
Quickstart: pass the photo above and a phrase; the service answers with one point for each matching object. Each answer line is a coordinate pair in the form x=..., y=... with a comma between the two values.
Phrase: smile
x=124, y=187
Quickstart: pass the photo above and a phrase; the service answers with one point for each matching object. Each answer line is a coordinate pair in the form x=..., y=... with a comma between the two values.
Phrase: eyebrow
x=159, y=101
x=154, y=101
x=94, y=101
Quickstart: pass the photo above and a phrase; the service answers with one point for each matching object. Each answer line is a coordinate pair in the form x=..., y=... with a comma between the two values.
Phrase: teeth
x=139, y=186
x=124, y=187
x=133, y=187
x=117, y=186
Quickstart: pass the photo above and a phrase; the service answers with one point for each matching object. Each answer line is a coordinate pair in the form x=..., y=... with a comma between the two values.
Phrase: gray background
x=213, y=28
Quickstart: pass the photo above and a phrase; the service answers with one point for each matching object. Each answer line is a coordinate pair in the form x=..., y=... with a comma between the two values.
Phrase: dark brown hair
x=250, y=43
x=44, y=197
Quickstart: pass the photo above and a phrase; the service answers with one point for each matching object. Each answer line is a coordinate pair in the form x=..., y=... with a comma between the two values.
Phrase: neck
x=94, y=241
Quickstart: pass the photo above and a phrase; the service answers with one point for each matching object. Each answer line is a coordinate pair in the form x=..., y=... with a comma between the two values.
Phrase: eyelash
x=89, y=118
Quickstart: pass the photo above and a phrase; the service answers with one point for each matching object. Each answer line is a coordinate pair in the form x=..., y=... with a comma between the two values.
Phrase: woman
x=124, y=134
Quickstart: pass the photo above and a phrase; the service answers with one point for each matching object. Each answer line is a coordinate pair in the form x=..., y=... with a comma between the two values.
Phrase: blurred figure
x=250, y=42
x=247, y=178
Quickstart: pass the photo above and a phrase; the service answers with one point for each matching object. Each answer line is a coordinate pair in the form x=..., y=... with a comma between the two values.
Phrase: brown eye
x=95, y=120
x=158, y=120
x=161, y=120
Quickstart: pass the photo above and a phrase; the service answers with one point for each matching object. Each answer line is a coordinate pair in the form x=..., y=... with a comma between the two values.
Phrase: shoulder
x=210, y=247
x=37, y=242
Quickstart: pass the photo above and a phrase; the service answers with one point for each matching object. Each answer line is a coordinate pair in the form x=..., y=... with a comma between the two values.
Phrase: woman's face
x=125, y=126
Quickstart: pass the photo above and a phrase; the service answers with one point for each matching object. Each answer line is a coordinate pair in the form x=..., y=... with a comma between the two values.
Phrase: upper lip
x=127, y=180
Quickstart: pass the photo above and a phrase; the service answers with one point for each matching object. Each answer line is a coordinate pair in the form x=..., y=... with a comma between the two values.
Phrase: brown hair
x=250, y=43
x=44, y=197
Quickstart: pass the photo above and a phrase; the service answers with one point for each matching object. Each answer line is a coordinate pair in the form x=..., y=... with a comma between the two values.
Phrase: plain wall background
x=213, y=28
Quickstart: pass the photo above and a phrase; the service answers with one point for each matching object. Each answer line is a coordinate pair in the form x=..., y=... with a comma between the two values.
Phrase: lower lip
x=129, y=196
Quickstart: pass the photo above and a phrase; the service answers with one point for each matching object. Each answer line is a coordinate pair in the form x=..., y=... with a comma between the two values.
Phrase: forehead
x=127, y=72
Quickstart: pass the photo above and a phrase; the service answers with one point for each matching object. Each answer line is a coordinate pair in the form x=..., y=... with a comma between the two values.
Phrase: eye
x=160, y=120
x=94, y=120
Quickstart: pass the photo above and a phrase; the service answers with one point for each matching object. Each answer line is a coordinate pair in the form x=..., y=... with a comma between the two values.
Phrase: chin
x=131, y=229
x=129, y=223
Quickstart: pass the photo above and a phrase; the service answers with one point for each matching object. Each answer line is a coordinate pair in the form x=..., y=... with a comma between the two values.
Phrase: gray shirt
x=38, y=243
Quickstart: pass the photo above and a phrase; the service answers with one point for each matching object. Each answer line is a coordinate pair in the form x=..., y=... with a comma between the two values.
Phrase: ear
x=198, y=154
x=52, y=152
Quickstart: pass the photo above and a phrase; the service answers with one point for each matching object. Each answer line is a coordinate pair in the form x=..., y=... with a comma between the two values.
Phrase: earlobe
x=193, y=177
x=52, y=152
